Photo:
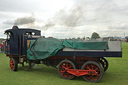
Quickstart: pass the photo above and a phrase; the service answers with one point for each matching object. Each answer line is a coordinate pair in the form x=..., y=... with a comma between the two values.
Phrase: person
x=2, y=47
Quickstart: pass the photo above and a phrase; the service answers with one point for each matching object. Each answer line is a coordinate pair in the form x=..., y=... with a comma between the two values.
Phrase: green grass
x=117, y=73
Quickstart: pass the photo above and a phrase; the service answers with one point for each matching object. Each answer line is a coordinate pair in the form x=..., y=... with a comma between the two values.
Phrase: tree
x=95, y=35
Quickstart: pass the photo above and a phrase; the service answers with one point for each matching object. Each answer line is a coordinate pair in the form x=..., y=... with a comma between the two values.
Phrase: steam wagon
x=71, y=57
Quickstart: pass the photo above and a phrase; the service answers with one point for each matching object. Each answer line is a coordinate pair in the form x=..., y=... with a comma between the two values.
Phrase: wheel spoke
x=92, y=67
x=96, y=68
x=88, y=68
x=66, y=65
x=63, y=66
x=69, y=66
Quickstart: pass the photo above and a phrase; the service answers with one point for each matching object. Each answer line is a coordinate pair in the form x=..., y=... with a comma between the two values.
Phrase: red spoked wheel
x=13, y=64
x=63, y=65
x=93, y=77
x=104, y=62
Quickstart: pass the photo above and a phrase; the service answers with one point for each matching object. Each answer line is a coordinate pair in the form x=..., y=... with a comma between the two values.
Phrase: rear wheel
x=26, y=64
x=104, y=62
x=92, y=65
x=63, y=65
x=13, y=64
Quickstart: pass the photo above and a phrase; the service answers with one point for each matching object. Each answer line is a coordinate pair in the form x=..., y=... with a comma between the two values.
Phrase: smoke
x=66, y=17
x=71, y=17
x=48, y=25
x=24, y=20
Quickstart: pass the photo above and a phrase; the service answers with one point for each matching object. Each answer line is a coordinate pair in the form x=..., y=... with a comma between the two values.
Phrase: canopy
x=45, y=47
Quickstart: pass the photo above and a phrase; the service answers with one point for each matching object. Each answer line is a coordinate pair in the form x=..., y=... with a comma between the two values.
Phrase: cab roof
x=21, y=31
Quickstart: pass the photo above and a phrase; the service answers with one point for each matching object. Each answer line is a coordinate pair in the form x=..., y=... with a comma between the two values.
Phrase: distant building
x=109, y=39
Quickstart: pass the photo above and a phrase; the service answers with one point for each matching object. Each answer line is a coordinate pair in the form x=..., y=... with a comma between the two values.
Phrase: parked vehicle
x=70, y=62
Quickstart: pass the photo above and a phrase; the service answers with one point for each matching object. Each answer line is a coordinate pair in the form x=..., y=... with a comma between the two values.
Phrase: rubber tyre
x=104, y=63
x=13, y=64
x=26, y=64
x=101, y=70
x=59, y=68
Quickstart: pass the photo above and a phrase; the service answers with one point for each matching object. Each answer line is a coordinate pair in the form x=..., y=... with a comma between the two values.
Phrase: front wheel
x=92, y=65
x=13, y=64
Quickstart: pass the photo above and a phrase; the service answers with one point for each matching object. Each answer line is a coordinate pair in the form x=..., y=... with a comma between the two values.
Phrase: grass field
x=117, y=73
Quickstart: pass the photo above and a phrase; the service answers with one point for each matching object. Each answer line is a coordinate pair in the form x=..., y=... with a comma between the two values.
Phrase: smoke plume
x=24, y=20
x=48, y=25
x=66, y=17
x=71, y=17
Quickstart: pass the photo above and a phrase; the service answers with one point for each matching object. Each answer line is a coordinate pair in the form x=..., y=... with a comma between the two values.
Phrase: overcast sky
x=66, y=18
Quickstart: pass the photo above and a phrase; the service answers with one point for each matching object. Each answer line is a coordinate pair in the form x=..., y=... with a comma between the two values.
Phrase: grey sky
x=67, y=18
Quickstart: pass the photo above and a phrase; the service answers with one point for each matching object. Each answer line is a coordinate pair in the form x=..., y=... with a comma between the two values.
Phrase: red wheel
x=63, y=65
x=92, y=65
x=13, y=64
